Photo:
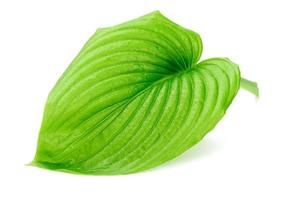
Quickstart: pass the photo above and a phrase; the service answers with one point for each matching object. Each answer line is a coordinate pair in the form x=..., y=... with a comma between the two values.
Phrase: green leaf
x=134, y=98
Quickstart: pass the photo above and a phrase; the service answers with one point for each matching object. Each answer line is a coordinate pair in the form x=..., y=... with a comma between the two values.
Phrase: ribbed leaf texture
x=134, y=98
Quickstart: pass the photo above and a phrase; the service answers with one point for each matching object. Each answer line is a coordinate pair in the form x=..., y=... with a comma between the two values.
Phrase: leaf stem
x=250, y=86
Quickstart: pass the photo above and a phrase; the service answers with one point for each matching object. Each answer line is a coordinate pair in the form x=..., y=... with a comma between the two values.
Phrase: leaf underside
x=134, y=98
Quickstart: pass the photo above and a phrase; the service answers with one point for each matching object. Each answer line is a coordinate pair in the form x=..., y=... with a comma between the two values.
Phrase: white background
x=243, y=158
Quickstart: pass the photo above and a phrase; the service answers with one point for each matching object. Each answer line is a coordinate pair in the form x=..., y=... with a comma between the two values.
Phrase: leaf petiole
x=250, y=86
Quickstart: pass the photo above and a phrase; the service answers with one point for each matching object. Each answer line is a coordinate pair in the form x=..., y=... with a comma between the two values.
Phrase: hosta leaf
x=134, y=97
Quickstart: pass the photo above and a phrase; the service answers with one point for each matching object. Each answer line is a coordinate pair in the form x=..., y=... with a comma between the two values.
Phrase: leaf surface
x=134, y=98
